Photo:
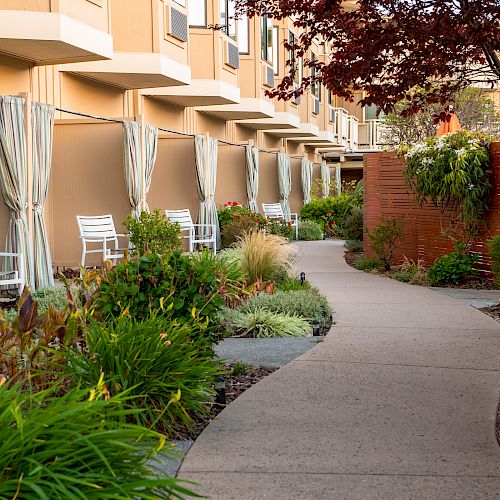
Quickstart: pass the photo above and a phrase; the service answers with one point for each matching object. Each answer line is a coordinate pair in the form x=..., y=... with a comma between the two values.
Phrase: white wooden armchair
x=14, y=277
x=275, y=211
x=196, y=233
x=100, y=229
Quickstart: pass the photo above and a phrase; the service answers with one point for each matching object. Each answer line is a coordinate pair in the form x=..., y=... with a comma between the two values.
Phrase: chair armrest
x=121, y=235
x=294, y=216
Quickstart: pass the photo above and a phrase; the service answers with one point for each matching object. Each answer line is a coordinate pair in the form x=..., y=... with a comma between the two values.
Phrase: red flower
x=236, y=218
x=289, y=224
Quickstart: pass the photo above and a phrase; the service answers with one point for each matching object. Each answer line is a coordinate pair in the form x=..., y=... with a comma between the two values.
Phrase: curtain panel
x=252, y=171
x=42, y=120
x=325, y=179
x=133, y=170
x=206, y=176
x=13, y=181
x=307, y=172
x=338, y=179
x=284, y=183
x=151, y=148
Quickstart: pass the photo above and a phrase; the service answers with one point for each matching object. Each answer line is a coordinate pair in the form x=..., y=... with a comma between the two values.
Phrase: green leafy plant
x=181, y=286
x=364, y=263
x=280, y=227
x=235, y=221
x=454, y=267
x=76, y=445
x=293, y=284
x=493, y=245
x=264, y=257
x=262, y=323
x=352, y=227
x=354, y=245
x=384, y=239
x=167, y=368
x=310, y=230
x=452, y=170
x=153, y=233
x=306, y=304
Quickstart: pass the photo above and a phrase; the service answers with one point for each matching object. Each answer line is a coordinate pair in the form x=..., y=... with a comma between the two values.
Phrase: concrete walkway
x=399, y=402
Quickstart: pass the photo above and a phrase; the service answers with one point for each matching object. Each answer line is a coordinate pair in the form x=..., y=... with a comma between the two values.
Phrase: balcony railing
x=341, y=121
x=373, y=134
x=353, y=132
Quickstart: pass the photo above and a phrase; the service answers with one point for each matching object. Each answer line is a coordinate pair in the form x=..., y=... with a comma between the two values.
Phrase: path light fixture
x=220, y=390
x=316, y=329
x=302, y=278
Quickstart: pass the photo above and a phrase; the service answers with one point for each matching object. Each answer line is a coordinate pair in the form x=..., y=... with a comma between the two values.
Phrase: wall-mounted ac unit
x=232, y=55
x=268, y=75
x=315, y=105
x=178, y=24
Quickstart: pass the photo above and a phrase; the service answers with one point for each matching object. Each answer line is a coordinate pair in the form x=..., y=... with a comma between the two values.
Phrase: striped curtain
x=13, y=180
x=133, y=171
x=252, y=171
x=284, y=183
x=325, y=178
x=42, y=120
x=338, y=179
x=206, y=175
x=307, y=172
x=151, y=147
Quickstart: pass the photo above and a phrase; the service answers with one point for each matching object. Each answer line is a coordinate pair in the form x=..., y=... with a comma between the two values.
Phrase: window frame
x=204, y=16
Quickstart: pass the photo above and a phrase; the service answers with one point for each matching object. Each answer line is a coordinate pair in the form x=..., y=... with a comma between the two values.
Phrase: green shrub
x=352, y=227
x=166, y=368
x=384, y=239
x=354, y=245
x=310, y=230
x=293, y=284
x=364, y=263
x=76, y=446
x=494, y=253
x=261, y=323
x=454, y=267
x=280, y=227
x=235, y=221
x=182, y=286
x=153, y=233
x=306, y=304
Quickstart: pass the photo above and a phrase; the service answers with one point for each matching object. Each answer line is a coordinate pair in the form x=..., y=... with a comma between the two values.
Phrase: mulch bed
x=236, y=384
x=350, y=257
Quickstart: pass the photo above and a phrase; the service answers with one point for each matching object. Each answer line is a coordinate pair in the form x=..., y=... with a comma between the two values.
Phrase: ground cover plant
x=412, y=272
x=76, y=445
x=153, y=232
x=453, y=268
x=493, y=245
x=364, y=263
x=354, y=245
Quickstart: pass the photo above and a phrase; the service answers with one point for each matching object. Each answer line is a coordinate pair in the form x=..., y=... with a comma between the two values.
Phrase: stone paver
x=475, y=298
x=398, y=402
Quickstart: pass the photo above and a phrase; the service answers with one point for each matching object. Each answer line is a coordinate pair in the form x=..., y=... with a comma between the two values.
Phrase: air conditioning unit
x=268, y=75
x=178, y=24
x=232, y=55
x=331, y=115
x=315, y=105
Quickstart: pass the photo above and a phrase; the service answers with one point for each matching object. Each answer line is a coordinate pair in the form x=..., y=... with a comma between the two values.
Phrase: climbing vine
x=453, y=170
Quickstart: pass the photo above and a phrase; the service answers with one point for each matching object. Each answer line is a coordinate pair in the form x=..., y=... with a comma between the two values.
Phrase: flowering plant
x=280, y=227
x=329, y=223
x=452, y=170
x=235, y=220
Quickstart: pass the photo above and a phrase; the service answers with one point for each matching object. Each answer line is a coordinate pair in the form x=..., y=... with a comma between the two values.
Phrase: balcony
x=58, y=32
x=324, y=138
x=341, y=125
x=281, y=120
x=373, y=135
x=353, y=132
x=248, y=108
x=150, y=47
x=197, y=93
x=303, y=131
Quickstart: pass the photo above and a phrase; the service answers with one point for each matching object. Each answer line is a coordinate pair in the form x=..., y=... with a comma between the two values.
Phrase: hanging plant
x=453, y=170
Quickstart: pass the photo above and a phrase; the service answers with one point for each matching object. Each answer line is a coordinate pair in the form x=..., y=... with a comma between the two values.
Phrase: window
x=315, y=88
x=330, y=98
x=227, y=20
x=276, y=44
x=197, y=13
x=243, y=35
x=266, y=39
x=371, y=113
x=181, y=2
x=295, y=64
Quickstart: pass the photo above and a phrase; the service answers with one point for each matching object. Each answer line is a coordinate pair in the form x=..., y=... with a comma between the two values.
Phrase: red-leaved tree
x=389, y=47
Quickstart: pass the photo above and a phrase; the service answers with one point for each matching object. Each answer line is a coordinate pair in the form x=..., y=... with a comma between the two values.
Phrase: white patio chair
x=196, y=233
x=100, y=229
x=13, y=277
x=275, y=211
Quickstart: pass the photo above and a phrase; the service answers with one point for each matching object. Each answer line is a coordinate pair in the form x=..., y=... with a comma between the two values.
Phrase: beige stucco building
x=159, y=62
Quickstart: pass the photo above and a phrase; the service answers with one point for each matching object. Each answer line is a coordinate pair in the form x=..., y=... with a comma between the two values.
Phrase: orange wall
x=231, y=175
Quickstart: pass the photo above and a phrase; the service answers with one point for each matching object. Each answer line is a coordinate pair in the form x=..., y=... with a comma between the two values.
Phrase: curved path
x=398, y=402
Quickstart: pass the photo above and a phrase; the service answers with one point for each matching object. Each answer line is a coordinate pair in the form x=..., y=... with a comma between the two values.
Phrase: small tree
x=384, y=240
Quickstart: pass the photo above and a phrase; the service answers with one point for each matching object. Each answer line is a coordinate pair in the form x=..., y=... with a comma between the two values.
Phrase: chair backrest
x=96, y=226
x=182, y=217
x=273, y=210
